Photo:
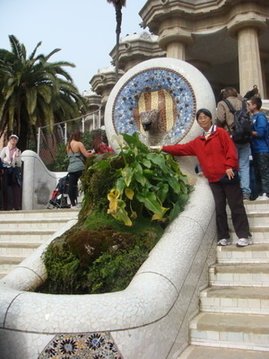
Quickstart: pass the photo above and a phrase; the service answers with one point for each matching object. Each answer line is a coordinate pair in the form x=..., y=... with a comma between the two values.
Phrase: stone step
x=31, y=223
x=255, y=253
x=10, y=260
x=5, y=268
x=259, y=234
x=21, y=232
x=69, y=213
x=257, y=205
x=235, y=300
x=255, y=221
x=204, y=352
x=18, y=248
x=231, y=330
x=251, y=274
x=3, y=273
x=234, y=322
x=33, y=235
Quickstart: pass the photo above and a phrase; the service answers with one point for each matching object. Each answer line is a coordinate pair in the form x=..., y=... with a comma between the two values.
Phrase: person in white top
x=11, y=161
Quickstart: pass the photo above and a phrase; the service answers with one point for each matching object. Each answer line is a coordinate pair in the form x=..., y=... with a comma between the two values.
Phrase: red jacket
x=216, y=154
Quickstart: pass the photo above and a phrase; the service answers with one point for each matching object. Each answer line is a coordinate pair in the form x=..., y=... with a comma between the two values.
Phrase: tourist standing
x=100, y=144
x=225, y=119
x=260, y=147
x=77, y=154
x=217, y=156
x=12, y=182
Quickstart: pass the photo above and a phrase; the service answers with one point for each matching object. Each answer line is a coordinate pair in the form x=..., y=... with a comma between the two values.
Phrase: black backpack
x=241, y=131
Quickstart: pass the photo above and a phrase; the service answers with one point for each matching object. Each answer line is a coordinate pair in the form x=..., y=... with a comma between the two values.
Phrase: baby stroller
x=59, y=195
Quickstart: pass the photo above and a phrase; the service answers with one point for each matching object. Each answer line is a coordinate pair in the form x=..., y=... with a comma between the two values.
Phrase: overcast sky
x=84, y=30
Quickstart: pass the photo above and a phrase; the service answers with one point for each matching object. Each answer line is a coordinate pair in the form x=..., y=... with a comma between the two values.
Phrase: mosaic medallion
x=81, y=346
x=159, y=89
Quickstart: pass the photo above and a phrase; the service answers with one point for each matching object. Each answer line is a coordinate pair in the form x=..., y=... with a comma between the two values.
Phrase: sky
x=84, y=30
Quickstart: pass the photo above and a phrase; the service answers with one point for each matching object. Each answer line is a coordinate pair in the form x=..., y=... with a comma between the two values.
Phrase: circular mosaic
x=161, y=89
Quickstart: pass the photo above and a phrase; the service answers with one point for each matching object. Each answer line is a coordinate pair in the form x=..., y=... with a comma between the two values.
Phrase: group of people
x=10, y=167
x=10, y=178
x=254, y=152
x=226, y=164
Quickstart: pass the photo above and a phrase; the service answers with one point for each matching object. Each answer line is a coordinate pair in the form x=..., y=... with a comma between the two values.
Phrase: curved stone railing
x=149, y=319
x=38, y=181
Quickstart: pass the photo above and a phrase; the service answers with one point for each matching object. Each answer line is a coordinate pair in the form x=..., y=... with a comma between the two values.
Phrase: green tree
x=118, y=4
x=34, y=92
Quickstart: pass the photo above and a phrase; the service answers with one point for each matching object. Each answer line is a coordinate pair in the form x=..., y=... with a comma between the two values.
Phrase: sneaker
x=263, y=197
x=246, y=196
x=243, y=242
x=76, y=206
x=224, y=242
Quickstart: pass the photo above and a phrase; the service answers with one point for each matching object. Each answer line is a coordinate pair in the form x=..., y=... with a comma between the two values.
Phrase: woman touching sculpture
x=77, y=154
x=218, y=158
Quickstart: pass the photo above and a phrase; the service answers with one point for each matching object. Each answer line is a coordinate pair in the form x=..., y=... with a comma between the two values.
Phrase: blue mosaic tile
x=155, y=79
x=81, y=346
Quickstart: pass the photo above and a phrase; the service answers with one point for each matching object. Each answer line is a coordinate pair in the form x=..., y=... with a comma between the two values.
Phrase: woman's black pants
x=232, y=194
x=73, y=186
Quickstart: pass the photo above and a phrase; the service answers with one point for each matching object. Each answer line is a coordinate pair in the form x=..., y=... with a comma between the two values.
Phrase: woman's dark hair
x=75, y=136
x=205, y=111
x=256, y=100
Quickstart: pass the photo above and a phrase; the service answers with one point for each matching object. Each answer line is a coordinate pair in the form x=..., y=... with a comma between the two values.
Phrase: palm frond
x=34, y=51
x=51, y=53
x=34, y=92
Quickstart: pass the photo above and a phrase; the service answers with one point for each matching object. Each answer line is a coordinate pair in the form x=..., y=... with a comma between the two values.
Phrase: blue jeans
x=243, y=156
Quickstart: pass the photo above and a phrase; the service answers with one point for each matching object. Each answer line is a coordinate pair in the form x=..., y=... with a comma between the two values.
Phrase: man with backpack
x=260, y=147
x=230, y=110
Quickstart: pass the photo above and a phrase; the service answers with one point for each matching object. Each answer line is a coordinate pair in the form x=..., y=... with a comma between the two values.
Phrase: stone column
x=265, y=89
x=174, y=41
x=250, y=71
x=176, y=50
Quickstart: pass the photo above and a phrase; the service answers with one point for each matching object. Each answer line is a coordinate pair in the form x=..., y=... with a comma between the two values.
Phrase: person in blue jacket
x=260, y=147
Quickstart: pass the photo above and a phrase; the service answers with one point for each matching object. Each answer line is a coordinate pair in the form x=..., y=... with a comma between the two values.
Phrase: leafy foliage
x=148, y=184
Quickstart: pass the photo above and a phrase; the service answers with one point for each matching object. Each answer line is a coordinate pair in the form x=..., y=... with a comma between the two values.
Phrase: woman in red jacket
x=218, y=159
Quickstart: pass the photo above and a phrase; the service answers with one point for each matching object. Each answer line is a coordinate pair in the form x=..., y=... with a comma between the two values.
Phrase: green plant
x=61, y=160
x=148, y=183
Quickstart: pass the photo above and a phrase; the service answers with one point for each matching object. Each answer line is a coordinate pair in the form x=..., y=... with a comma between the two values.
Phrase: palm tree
x=34, y=92
x=118, y=4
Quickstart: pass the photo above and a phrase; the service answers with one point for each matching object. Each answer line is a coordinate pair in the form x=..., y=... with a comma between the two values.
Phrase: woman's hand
x=156, y=148
x=230, y=173
x=17, y=153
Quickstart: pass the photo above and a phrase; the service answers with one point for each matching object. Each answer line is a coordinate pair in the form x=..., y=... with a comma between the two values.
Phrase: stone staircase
x=234, y=310
x=21, y=232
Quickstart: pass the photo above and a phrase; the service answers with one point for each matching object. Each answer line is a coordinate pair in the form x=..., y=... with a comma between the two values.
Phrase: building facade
x=227, y=40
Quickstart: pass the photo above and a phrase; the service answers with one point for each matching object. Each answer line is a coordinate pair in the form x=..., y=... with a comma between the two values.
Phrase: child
x=259, y=147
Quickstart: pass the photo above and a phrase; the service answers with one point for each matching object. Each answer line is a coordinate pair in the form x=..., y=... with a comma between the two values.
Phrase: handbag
x=225, y=179
x=14, y=176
